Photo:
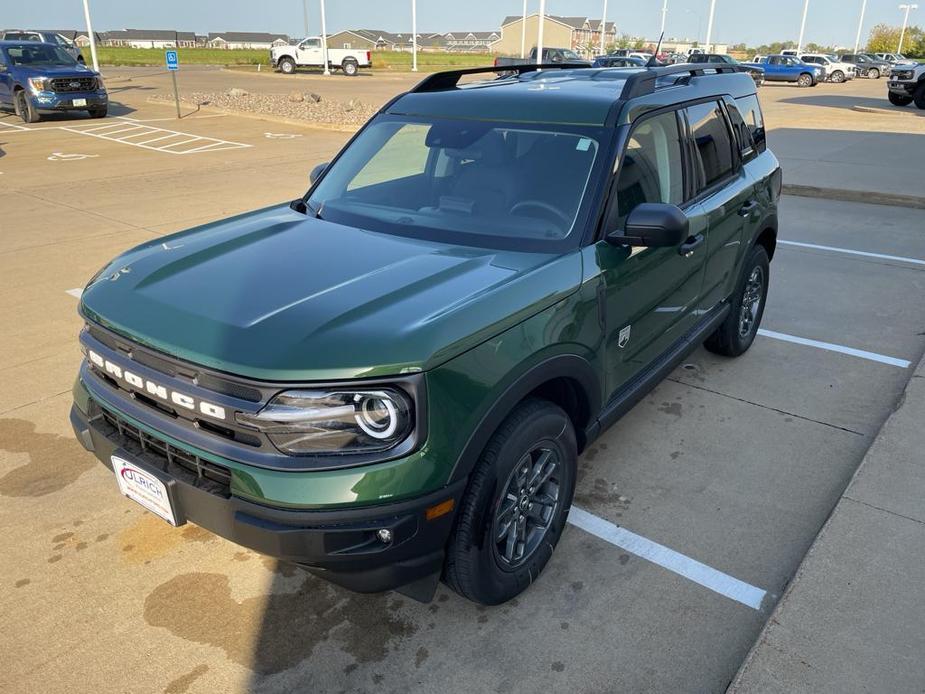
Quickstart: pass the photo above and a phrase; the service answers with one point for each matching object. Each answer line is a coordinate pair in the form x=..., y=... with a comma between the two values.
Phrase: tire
x=732, y=338
x=873, y=73
x=98, y=112
x=919, y=96
x=805, y=80
x=350, y=67
x=286, y=66
x=899, y=99
x=838, y=77
x=480, y=565
x=24, y=108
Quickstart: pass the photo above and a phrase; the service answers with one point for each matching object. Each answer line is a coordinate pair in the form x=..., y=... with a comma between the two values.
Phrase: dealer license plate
x=79, y=102
x=142, y=487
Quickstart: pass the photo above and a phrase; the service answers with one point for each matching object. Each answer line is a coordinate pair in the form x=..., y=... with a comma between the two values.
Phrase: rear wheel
x=919, y=96
x=873, y=73
x=516, y=505
x=736, y=334
x=899, y=99
x=838, y=76
x=286, y=66
x=805, y=80
x=350, y=67
x=24, y=108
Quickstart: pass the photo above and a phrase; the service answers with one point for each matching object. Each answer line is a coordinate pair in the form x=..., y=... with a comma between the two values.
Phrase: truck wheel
x=873, y=73
x=738, y=331
x=99, y=112
x=838, y=77
x=899, y=99
x=919, y=96
x=516, y=505
x=24, y=108
x=286, y=66
x=350, y=67
x=805, y=80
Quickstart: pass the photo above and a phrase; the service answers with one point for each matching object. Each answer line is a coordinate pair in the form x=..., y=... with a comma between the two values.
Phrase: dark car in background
x=754, y=71
x=36, y=77
x=42, y=36
x=618, y=61
x=867, y=65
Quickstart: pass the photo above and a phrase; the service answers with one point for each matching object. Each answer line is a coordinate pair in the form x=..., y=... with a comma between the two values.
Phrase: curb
x=258, y=116
x=845, y=195
x=798, y=574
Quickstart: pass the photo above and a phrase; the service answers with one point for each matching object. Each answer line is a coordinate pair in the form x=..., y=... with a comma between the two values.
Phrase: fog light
x=384, y=535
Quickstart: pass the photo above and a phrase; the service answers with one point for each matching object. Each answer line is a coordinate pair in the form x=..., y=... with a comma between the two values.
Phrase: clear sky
x=752, y=21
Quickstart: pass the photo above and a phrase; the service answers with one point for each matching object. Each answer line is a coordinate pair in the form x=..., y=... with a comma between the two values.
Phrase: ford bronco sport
x=389, y=380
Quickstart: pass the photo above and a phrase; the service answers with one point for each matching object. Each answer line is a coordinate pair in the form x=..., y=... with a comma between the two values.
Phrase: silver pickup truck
x=309, y=53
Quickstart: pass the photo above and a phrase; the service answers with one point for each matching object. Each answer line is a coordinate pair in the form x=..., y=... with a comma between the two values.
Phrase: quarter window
x=750, y=110
x=652, y=169
x=713, y=146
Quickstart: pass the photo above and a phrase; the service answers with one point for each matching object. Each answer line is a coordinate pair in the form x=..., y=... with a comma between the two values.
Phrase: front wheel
x=736, y=334
x=874, y=73
x=98, y=112
x=919, y=96
x=899, y=99
x=805, y=80
x=24, y=108
x=838, y=77
x=350, y=67
x=286, y=66
x=515, y=508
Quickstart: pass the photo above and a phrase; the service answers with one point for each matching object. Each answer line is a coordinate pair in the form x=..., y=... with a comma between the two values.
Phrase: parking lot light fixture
x=414, y=36
x=857, y=40
x=539, y=34
x=803, y=26
x=902, y=34
x=523, y=32
x=603, y=26
x=664, y=16
x=96, y=65
x=324, y=42
x=708, y=43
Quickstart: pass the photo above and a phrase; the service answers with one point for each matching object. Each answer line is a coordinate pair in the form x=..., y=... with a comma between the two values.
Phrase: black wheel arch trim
x=768, y=221
x=570, y=366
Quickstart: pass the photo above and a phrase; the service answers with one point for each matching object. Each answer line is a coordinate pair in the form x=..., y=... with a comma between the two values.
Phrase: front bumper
x=341, y=545
x=64, y=101
x=904, y=88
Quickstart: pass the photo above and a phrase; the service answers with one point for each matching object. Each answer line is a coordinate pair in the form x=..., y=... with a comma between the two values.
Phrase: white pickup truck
x=309, y=53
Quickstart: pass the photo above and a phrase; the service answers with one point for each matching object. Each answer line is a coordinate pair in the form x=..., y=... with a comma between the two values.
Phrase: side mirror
x=653, y=225
x=317, y=171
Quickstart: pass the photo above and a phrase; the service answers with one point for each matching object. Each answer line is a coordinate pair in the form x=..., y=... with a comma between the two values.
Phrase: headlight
x=99, y=82
x=38, y=84
x=305, y=422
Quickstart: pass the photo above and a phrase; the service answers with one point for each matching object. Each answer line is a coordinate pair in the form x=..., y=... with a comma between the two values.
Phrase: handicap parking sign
x=173, y=62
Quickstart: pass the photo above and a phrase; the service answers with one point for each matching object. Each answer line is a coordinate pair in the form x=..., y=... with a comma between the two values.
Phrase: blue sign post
x=173, y=64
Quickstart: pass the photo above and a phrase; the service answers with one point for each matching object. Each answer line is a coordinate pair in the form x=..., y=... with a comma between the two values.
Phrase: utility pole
x=523, y=32
x=707, y=44
x=539, y=34
x=96, y=65
x=902, y=34
x=414, y=35
x=803, y=26
x=664, y=15
x=324, y=41
x=857, y=40
x=603, y=26
x=305, y=15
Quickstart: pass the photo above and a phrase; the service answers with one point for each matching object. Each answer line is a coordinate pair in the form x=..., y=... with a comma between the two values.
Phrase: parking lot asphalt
x=723, y=475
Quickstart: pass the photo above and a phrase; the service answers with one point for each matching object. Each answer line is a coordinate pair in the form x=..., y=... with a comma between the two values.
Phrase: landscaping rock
x=236, y=93
x=296, y=97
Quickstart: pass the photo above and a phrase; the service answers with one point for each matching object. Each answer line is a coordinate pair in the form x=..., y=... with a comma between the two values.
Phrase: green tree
x=624, y=41
x=883, y=39
x=639, y=44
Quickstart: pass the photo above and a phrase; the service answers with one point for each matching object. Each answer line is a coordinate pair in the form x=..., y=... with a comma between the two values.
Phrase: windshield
x=570, y=55
x=468, y=182
x=39, y=55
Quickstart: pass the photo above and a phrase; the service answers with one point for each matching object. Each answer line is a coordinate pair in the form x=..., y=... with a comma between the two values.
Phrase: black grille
x=73, y=84
x=200, y=473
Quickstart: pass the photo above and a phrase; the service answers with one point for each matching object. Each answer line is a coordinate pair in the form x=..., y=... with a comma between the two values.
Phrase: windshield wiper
x=302, y=206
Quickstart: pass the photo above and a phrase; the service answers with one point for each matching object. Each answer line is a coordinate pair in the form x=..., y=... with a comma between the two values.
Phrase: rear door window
x=713, y=149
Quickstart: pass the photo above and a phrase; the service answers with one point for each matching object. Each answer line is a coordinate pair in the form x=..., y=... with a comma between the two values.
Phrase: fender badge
x=624, y=337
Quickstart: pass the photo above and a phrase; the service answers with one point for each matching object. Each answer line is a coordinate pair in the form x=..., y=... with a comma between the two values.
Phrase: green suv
x=389, y=380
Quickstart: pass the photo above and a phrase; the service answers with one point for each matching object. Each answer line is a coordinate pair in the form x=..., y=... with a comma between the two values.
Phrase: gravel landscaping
x=306, y=106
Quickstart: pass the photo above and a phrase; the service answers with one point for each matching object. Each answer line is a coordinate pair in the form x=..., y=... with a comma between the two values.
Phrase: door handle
x=748, y=208
x=688, y=247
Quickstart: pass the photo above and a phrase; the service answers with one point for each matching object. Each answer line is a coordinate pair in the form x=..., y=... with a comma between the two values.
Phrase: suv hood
x=56, y=71
x=274, y=295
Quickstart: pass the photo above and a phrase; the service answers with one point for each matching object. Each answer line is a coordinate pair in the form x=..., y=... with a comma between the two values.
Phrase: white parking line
x=881, y=256
x=124, y=132
x=691, y=569
x=860, y=353
x=76, y=293
x=14, y=126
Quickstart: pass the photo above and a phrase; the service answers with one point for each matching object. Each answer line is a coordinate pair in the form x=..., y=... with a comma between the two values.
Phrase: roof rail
x=449, y=79
x=642, y=83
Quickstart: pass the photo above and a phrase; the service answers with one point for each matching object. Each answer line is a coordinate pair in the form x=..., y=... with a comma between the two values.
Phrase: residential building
x=581, y=34
x=378, y=40
x=246, y=39
x=470, y=41
x=150, y=38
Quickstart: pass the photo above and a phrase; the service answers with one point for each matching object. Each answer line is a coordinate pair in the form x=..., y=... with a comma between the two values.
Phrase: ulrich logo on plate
x=148, y=387
x=139, y=479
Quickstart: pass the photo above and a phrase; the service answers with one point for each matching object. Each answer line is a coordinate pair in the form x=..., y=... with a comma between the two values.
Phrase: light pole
x=902, y=34
x=96, y=65
x=539, y=34
x=305, y=15
x=857, y=40
x=414, y=36
x=523, y=32
x=324, y=41
x=803, y=26
x=603, y=26
x=707, y=44
x=664, y=15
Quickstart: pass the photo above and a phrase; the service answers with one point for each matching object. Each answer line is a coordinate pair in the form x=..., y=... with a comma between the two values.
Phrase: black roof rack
x=642, y=83
x=449, y=79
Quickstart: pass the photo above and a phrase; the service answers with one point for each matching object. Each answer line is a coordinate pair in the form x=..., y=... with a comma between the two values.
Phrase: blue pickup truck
x=36, y=77
x=788, y=68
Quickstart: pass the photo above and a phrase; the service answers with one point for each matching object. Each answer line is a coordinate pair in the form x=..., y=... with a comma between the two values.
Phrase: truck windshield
x=39, y=55
x=464, y=182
